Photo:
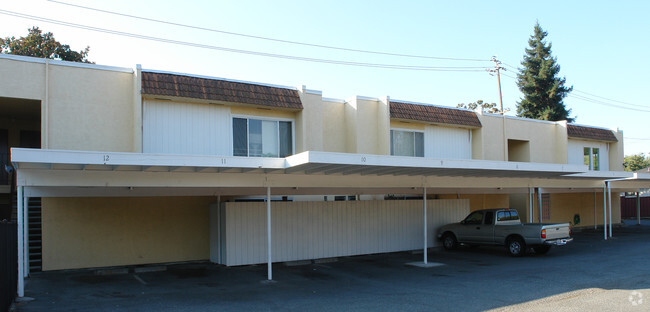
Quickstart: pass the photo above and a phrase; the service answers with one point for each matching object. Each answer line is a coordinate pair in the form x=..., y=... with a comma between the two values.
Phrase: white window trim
x=591, y=156
x=247, y=117
x=424, y=138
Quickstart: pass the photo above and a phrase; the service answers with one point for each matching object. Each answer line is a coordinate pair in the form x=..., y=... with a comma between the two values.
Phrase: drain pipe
x=609, y=195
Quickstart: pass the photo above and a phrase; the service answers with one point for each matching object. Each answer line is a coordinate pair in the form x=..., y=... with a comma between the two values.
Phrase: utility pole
x=497, y=68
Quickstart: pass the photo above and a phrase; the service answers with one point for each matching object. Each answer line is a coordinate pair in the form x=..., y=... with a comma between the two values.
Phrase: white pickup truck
x=502, y=227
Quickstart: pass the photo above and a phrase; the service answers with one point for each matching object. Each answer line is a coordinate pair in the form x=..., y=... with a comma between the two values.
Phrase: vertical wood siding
x=447, y=143
x=312, y=230
x=183, y=128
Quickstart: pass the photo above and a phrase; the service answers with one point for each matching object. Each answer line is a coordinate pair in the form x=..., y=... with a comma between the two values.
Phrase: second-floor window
x=406, y=143
x=592, y=158
x=261, y=137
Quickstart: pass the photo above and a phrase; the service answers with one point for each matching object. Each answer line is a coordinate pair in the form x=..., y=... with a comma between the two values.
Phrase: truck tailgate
x=555, y=231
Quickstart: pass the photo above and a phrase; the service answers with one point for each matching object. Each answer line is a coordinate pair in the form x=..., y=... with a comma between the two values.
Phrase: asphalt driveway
x=589, y=274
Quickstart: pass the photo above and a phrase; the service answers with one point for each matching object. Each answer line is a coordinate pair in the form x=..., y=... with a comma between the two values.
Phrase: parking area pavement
x=588, y=274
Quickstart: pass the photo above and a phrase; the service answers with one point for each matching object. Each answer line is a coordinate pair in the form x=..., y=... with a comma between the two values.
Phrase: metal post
x=539, y=203
x=424, y=204
x=638, y=208
x=609, y=195
x=595, y=213
x=268, y=232
x=21, y=254
x=605, y=210
x=26, y=234
x=531, y=204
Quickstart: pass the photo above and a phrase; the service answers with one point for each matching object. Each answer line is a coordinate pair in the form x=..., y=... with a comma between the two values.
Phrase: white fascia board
x=420, y=162
x=40, y=156
x=605, y=175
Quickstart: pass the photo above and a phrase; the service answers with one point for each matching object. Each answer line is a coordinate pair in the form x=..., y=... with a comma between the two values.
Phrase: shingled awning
x=590, y=133
x=434, y=114
x=178, y=85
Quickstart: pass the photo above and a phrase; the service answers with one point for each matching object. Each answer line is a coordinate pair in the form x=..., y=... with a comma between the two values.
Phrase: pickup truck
x=502, y=227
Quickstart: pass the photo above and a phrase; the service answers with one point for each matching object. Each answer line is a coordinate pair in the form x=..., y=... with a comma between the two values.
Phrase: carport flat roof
x=309, y=163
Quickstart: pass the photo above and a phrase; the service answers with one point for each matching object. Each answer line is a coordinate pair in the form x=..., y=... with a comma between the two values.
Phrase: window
x=474, y=218
x=261, y=138
x=592, y=158
x=507, y=215
x=489, y=218
x=406, y=143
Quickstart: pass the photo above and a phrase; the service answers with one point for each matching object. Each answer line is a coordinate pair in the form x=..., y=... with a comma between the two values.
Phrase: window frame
x=262, y=118
x=414, y=146
x=592, y=157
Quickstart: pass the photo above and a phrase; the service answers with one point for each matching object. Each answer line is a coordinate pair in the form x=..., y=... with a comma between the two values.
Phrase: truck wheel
x=516, y=247
x=541, y=250
x=449, y=241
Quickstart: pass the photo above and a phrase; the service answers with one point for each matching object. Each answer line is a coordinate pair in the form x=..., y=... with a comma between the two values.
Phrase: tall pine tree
x=538, y=80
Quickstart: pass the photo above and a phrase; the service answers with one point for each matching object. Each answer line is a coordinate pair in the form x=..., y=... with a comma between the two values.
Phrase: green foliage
x=636, y=162
x=487, y=107
x=538, y=80
x=39, y=44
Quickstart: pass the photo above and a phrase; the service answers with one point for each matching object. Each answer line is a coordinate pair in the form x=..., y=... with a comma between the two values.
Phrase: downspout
x=46, y=103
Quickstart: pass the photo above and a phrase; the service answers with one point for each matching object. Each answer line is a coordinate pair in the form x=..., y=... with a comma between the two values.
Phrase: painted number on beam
x=106, y=158
x=363, y=158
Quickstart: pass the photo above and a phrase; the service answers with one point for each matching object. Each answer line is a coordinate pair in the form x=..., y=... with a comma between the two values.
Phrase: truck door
x=469, y=229
x=485, y=232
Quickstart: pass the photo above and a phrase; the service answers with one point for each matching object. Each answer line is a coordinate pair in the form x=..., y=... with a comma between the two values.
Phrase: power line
x=640, y=139
x=604, y=98
x=249, y=52
x=268, y=38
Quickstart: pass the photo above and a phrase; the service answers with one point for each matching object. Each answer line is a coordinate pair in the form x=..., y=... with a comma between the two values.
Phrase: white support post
x=268, y=232
x=424, y=206
x=21, y=252
x=605, y=210
x=539, y=203
x=531, y=204
x=26, y=234
x=609, y=195
x=595, y=213
x=638, y=208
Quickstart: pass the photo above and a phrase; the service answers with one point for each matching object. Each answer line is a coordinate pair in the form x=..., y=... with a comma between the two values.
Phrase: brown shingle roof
x=434, y=114
x=154, y=83
x=583, y=132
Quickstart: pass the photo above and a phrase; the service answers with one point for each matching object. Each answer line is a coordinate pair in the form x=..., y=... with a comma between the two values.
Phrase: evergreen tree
x=538, y=80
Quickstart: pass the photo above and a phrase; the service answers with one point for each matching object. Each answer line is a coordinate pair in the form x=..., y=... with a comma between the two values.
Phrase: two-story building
x=120, y=166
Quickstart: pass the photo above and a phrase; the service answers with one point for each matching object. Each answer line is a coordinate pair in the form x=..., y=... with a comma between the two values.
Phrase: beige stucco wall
x=368, y=126
x=81, y=108
x=309, y=122
x=565, y=206
x=547, y=140
x=334, y=127
x=397, y=124
x=616, y=152
x=99, y=232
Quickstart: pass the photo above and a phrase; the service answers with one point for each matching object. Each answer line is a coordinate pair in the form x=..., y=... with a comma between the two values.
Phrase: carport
x=59, y=173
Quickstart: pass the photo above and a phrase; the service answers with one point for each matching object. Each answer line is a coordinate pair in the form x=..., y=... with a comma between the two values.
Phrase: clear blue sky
x=602, y=47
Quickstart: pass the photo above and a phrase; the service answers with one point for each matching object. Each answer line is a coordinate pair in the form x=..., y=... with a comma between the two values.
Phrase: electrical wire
x=249, y=52
x=268, y=38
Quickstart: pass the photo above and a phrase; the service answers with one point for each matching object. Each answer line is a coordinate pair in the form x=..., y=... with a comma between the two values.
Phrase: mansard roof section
x=434, y=114
x=590, y=133
x=216, y=89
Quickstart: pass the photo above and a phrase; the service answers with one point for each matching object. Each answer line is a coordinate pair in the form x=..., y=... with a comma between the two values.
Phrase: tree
x=39, y=44
x=487, y=107
x=538, y=80
x=636, y=162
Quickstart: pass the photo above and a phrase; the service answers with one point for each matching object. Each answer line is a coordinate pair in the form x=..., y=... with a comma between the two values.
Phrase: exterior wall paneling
x=184, y=128
x=576, y=152
x=312, y=230
x=447, y=143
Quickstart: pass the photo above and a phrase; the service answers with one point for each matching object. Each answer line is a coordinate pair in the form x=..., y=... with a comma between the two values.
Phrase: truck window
x=489, y=218
x=474, y=218
x=507, y=215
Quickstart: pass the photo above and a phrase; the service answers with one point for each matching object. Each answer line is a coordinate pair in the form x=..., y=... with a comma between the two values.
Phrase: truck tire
x=541, y=250
x=449, y=241
x=516, y=246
